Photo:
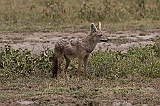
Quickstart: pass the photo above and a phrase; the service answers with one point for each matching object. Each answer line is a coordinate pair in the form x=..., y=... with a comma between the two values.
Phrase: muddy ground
x=39, y=41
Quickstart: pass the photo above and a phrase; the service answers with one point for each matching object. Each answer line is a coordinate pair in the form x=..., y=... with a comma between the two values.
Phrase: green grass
x=137, y=62
x=67, y=15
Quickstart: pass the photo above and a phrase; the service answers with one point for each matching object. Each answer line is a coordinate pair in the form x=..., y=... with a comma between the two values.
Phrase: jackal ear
x=99, y=26
x=93, y=28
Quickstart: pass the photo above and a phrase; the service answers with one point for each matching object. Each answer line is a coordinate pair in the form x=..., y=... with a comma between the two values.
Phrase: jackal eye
x=94, y=31
x=99, y=35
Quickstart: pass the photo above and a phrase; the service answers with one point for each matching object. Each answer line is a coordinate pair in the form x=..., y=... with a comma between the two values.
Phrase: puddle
x=25, y=102
x=121, y=104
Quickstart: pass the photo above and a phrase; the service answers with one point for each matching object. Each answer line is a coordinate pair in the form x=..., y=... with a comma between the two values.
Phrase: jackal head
x=97, y=34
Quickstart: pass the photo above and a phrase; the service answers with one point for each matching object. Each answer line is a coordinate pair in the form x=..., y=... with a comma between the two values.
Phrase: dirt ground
x=39, y=41
x=41, y=93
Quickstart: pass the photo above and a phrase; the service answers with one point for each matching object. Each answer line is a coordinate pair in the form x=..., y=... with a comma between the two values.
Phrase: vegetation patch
x=137, y=62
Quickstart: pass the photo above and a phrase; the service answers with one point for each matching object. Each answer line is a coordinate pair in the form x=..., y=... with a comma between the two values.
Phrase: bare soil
x=39, y=41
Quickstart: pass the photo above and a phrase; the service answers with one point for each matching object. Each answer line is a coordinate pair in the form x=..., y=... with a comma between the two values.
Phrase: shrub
x=23, y=63
x=137, y=62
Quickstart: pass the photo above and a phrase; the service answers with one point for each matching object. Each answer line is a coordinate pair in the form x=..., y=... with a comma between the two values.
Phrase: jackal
x=77, y=48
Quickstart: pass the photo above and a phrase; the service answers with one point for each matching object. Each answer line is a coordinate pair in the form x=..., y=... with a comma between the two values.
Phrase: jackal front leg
x=85, y=65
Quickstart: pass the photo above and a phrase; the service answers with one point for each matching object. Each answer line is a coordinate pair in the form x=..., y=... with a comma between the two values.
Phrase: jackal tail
x=55, y=67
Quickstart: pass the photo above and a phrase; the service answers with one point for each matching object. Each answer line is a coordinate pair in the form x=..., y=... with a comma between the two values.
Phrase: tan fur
x=77, y=48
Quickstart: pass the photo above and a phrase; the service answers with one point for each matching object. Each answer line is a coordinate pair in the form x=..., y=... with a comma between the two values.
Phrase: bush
x=23, y=63
x=137, y=62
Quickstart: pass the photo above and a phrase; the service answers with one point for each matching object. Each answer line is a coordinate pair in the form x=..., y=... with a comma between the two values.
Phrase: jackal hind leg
x=59, y=64
x=79, y=66
x=67, y=63
x=85, y=60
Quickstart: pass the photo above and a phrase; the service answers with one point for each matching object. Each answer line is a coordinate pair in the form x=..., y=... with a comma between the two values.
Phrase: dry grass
x=33, y=15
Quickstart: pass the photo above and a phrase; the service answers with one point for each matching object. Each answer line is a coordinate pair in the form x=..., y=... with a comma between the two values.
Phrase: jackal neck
x=89, y=43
